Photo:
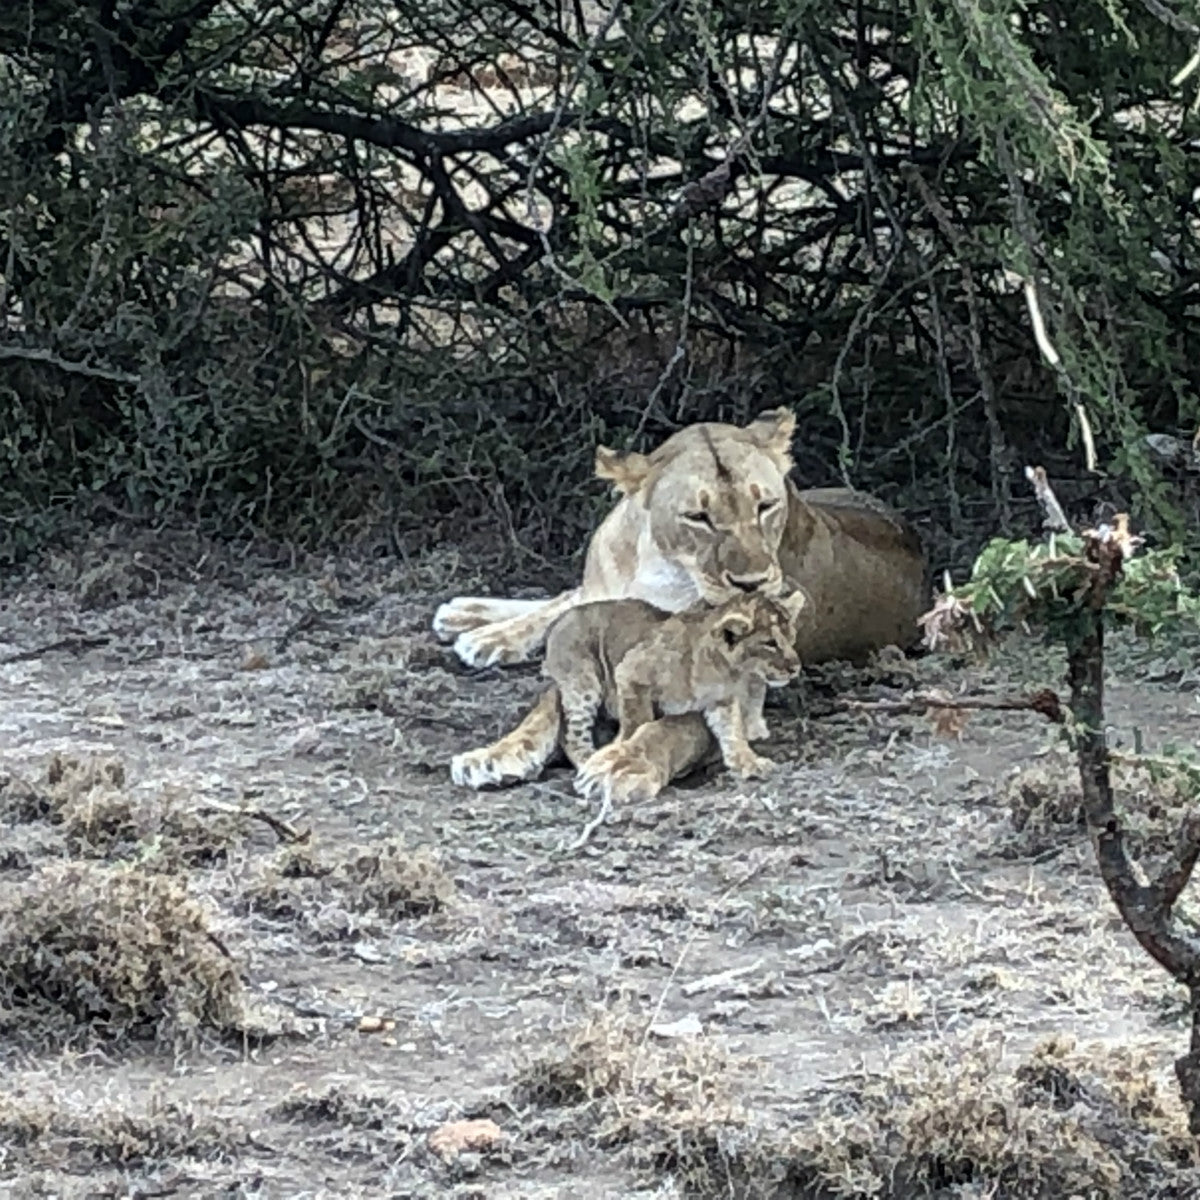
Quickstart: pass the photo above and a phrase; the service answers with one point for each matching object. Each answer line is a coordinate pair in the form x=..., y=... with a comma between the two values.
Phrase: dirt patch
x=762, y=990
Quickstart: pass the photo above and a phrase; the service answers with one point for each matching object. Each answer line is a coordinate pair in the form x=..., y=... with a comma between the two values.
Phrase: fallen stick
x=1045, y=703
x=706, y=983
x=283, y=830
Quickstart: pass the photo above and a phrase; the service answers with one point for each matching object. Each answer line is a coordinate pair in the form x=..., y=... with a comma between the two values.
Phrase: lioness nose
x=746, y=583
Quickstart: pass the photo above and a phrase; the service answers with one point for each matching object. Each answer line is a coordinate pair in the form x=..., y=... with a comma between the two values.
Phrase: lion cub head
x=713, y=501
x=756, y=636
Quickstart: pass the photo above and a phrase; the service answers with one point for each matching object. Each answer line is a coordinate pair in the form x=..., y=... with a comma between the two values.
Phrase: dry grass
x=322, y=888
x=629, y=1088
x=39, y=1132
x=111, y=953
x=335, y=1105
x=164, y=835
x=959, y=1121
x=1045, y=806
x=956, y=1120
x=86, y=799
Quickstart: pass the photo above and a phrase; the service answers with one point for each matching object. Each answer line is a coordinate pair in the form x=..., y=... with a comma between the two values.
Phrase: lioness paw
x=486, y=768
x=456, y=617
x=464, y=613
x=491, y=646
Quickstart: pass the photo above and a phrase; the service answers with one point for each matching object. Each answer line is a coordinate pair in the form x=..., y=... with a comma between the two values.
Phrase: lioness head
x=756, y=635
x=715, y=501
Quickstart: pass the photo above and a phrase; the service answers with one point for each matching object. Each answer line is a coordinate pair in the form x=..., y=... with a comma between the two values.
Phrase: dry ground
x=887, y=972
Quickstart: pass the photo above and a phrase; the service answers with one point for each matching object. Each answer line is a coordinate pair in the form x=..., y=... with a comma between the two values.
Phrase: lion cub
x=640, y=662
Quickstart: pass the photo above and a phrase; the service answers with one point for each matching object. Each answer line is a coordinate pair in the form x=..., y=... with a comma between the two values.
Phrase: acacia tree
x=1072, y=589
x=283, y=265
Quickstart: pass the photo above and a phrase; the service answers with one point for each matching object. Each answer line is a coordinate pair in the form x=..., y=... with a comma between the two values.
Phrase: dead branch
x=1054, y=517
x=1045, y=703
x=76, y=644
x=1175, y=876
x=1146, y=908
x=284, y=831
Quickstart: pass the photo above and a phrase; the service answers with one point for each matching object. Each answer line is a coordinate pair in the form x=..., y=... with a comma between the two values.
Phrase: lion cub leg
x=728, y=725
x=581, y=701
x=635, y=707
x=753, y=701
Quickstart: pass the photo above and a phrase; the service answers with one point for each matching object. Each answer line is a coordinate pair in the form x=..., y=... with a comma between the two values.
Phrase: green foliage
x=1042, y=586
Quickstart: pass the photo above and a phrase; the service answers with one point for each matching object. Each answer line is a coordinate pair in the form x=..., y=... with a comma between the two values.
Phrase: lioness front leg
x=517, y=638
x=470, y=612
x=729, y=728
x=517, y=756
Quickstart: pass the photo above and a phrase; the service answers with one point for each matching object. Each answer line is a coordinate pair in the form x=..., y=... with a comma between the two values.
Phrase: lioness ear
x=773, y=431
x=732, y=627
x=626, y=472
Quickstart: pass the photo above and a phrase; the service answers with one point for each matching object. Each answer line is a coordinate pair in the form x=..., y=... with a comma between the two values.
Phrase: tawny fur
x=707, y=514
x=640, y=662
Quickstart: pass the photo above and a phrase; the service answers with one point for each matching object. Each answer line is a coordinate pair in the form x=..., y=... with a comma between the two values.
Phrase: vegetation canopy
x=318, y=265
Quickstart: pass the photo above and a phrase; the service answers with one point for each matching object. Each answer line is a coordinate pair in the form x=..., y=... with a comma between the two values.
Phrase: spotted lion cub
x=640, y=663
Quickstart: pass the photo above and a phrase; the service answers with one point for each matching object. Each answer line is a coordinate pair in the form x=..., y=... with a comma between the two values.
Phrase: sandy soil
x=710, y=977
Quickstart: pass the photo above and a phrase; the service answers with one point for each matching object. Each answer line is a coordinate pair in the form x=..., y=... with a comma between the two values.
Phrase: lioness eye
x=767, y=506
x=699, y=518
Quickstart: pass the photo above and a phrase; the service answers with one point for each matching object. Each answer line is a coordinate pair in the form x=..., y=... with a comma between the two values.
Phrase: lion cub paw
x=619, y=775
x=752, y=766
x=756, y=728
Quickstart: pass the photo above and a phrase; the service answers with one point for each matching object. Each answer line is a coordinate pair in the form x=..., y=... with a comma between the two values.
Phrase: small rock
x=371, y=1024
x=450, y=1140
x=687, y=1026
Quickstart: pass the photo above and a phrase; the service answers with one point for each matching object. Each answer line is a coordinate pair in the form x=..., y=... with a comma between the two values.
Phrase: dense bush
x=320, y=266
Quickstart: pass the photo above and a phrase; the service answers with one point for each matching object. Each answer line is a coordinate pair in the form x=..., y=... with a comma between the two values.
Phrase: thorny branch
x=1146, y=904
x=1045, y=703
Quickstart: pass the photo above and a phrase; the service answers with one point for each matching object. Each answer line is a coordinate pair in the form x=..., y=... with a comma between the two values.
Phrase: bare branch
x=39, y=354
x=1174, y=877
x=1045, y=703
x=1054, y=517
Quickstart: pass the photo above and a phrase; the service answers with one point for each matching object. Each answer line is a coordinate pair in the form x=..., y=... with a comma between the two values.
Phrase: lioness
x=639, y=661
x=708, y=514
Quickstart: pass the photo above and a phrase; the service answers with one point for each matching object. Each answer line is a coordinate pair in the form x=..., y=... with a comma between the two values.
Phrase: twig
x=285, y=832
x=49, y=358
x=706, y=983
x=591, y=827
x=1044, y=344
x=303, y=625
x=1045, y=703
x=1055, y=518
x=75, y=644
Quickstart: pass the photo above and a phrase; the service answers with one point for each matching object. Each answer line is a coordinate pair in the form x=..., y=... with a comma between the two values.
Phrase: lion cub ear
x=626, y=472
x=794, y=603
x=773, y=430
x=732, y=627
